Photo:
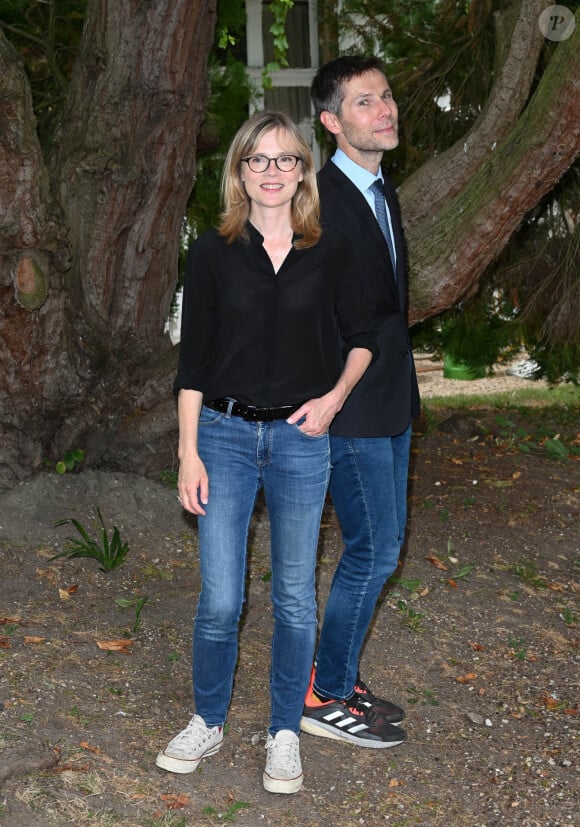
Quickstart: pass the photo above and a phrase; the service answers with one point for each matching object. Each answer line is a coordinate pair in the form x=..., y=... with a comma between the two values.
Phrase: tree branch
x=451, y=250
x=441, y=178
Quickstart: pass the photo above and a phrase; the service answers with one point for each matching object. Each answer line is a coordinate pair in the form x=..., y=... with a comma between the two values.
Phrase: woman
x=258, y=383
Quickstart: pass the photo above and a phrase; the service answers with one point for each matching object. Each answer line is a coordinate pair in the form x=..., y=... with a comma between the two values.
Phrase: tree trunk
x=89, y=240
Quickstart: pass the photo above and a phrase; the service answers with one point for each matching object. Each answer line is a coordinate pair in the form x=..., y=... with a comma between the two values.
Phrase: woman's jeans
x=368, y=488
x=240, y=458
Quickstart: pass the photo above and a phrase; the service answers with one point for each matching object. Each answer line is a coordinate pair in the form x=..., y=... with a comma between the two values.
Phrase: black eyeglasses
x=260, y=163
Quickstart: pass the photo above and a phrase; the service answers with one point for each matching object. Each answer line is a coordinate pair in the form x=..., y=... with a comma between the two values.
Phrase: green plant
x=412, y=584
x=110, y=553
x=427, y=696
x=526, y=571
x=568, y=616
x=69, y=461
x=133, y=602
x=168, y=477
x=229, y=814
x=518, y=647
x=412, y=619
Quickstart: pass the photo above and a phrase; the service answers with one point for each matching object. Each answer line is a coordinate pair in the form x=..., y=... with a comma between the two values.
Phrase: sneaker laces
x=283, y=753
x=360, y=688
x=357, y=708
x=196, y=730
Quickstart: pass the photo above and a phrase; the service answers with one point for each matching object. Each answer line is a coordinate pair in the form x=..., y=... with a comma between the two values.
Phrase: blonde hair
x=305, y=207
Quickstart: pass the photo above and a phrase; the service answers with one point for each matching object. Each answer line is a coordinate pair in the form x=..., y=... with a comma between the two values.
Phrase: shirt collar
x=360, y=177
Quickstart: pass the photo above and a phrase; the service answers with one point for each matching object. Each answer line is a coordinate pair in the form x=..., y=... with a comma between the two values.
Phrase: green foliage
x=136, y=603
x=227, y=109
x=69, y=461
x=526, y=570
x=229, y=814
x=279, y=10
x=412, y=619
x=168, y=477
x=47, y=34
x=110, y=553
x=476, y=333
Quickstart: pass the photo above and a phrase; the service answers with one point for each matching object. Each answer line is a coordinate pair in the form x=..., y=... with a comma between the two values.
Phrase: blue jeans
x=368, y=486
x=240, y=458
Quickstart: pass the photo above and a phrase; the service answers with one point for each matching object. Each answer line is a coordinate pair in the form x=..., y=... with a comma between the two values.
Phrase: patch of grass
x=412, y=619
x=168, y=478
x=229, y=814
x=424, y=696
x=166, y=820
x=412, y=584
x=518, y=647
x=444, y=515
x=569, y=617
x=157, y=573
x=110, y=553
x=527, y=572
x=75, y=712
x=562, y=396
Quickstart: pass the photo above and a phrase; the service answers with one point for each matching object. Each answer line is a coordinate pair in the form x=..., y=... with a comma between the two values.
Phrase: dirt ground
x=476, y=636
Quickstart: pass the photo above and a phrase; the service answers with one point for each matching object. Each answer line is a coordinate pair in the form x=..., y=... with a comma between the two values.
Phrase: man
x=370, y=437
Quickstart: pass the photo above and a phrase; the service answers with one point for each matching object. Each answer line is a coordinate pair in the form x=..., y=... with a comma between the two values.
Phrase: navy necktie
x=378, y=191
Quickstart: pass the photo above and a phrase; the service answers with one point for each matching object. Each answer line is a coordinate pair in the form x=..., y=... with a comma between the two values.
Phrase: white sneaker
x=185, y=751
x=283, y=773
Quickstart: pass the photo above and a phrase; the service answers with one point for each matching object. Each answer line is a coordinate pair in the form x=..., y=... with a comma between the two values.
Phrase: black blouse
x=266, y=338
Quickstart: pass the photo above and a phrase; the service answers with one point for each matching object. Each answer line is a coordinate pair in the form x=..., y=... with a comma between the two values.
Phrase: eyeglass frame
x=297, y=158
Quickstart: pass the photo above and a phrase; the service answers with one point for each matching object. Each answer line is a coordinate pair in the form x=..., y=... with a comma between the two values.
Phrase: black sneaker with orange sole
x=389, y=712
x=349, y=721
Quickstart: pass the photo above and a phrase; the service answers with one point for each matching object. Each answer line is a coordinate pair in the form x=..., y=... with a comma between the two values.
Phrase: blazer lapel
x=361, y=214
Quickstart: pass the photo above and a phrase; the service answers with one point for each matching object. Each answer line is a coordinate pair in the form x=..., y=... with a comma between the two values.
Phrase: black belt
x=251, y=413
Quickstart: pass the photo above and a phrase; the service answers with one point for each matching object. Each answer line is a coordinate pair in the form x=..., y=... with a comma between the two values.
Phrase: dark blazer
x=387, y=396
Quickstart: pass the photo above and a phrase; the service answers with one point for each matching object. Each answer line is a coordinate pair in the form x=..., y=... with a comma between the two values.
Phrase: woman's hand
x=317, y=414
x=193, y=485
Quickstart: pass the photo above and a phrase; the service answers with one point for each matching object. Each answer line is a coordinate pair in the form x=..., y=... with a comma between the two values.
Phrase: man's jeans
x=368, y=486
x=240, y=458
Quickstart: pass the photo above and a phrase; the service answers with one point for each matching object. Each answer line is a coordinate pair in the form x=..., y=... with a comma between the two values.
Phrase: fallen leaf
x=394, y=782
x=470, y=676
x=174, y=802
x=5, y=643
x=456, y=461
x=439, y=564
x=452, y=583
x=73, y=589
x=5, y=620
x=477, y=647
x=63, y=594
x=516, y=475
x=556, y=587
x=87, y=746
x=120, y=645
x=33, y=639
